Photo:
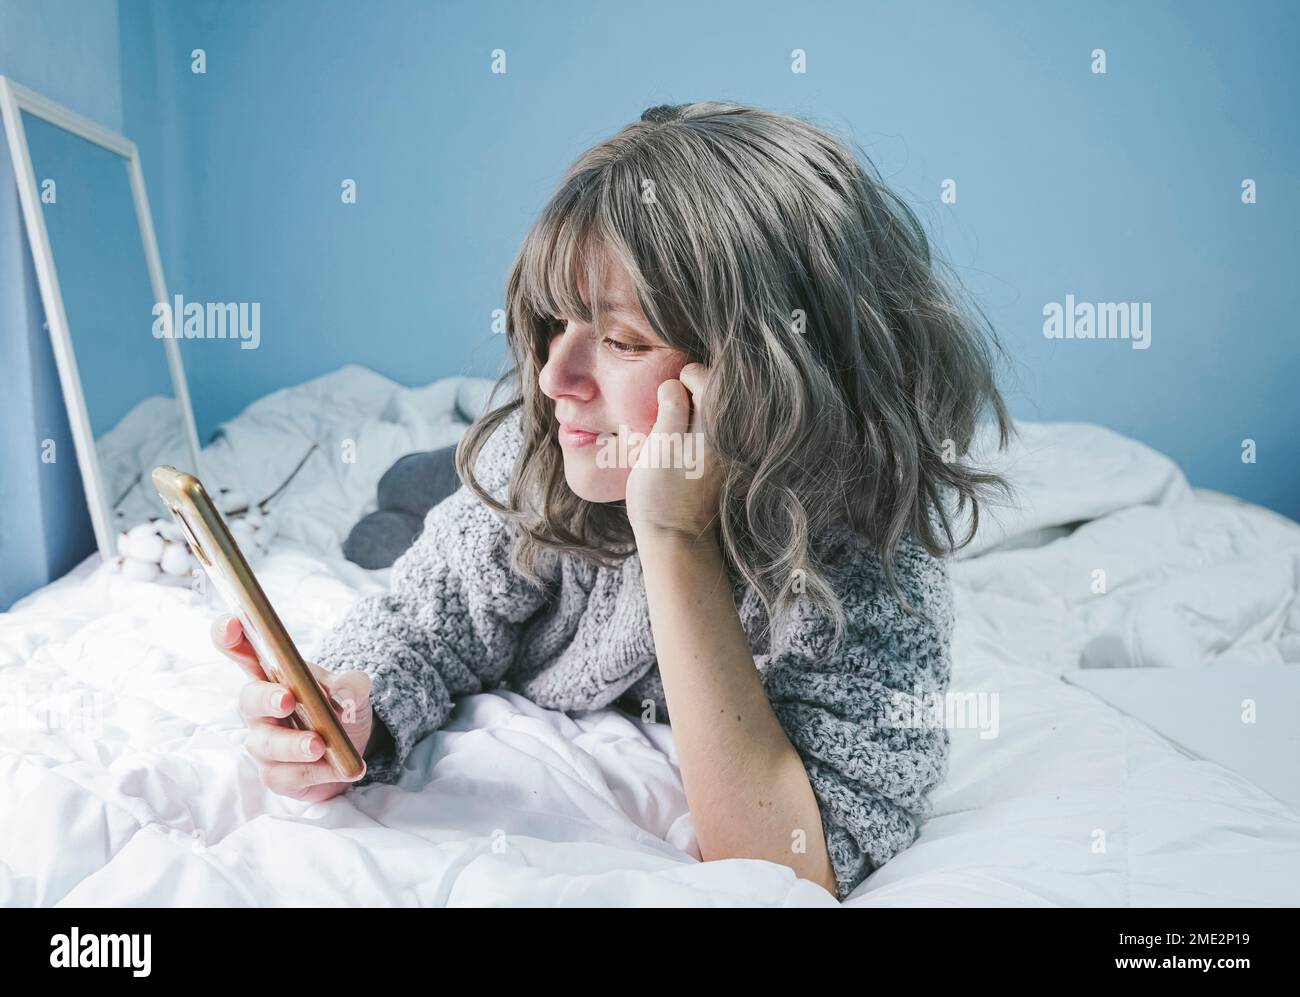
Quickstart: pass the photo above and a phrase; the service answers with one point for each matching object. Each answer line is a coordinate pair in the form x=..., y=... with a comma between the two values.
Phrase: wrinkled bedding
x=123, y=780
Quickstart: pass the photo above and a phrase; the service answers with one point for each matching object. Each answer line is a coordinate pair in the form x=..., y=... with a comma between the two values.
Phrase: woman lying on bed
x=714, y=492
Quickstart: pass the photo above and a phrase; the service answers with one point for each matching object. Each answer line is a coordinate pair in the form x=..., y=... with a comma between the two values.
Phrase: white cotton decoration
x=158, y=550
x=177, y=559
x=143, y=543
x=264, y=528
x=140, y=571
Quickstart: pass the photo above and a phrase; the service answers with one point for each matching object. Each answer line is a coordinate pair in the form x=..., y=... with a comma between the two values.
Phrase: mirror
x=93, y=245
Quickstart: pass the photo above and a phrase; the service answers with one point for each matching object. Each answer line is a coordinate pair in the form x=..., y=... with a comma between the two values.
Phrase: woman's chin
x=596, y=484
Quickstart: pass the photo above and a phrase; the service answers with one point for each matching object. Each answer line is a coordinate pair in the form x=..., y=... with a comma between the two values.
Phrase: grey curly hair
x=846, y=381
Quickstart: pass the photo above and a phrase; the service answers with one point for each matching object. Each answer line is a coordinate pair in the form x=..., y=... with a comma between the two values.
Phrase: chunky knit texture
x=457, y=620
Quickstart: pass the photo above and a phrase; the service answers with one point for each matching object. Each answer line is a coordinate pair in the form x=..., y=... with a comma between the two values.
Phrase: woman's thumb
x=351, y=692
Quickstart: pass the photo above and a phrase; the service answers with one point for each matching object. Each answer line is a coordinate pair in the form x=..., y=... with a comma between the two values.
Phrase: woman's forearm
x=746, y=784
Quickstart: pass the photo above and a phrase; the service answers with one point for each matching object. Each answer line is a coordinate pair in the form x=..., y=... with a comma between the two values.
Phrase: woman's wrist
x=653, y=538
x=673, y=550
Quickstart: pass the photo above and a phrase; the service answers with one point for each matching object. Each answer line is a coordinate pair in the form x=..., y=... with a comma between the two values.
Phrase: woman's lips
x=573, y=436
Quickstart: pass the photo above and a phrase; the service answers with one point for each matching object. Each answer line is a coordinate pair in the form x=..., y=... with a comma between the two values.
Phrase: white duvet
x=123, y=780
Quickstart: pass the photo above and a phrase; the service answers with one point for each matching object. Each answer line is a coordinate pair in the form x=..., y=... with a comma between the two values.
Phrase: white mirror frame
x=14, y=99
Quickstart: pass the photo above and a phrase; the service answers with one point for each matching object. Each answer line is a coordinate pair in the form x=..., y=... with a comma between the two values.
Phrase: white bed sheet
x=123, y=780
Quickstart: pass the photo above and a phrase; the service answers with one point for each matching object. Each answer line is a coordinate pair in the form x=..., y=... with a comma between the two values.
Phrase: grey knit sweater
x=456, y=620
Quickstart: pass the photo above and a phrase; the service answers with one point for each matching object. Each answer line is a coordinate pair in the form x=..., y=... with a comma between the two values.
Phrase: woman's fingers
x=696, y=378
x=269, y=741
x=291, y=762
x=674, y=412
x=349, y=693
x=259, y=700
x=296, y=779
x=229, y=637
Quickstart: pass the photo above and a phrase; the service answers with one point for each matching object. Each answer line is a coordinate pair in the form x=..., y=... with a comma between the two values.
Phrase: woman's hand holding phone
x=291, y=761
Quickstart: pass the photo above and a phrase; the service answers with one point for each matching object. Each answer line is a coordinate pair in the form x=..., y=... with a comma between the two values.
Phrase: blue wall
x=1115, y=187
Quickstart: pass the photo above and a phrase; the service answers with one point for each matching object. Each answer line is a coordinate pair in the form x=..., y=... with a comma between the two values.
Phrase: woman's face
x=606, y=392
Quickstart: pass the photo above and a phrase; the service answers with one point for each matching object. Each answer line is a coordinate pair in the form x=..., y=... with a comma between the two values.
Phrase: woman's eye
x=556, y=326
x=620, y=347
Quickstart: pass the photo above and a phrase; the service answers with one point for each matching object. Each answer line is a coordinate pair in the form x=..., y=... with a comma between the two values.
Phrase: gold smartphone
x=216, y=550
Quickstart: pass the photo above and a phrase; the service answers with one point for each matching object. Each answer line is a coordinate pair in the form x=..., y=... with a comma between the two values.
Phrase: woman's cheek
x=666, y=370
x=647, y=410
x=637, y=386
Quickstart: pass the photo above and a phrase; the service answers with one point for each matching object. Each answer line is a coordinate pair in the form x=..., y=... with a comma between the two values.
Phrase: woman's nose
x=567, y=370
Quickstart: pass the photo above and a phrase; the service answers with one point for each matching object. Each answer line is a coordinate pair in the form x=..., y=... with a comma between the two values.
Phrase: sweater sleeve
x=863, y=718
x=451, y=621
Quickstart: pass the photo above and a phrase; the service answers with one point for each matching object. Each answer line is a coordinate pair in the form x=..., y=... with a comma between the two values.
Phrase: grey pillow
x=407, y=491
